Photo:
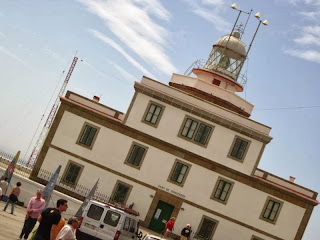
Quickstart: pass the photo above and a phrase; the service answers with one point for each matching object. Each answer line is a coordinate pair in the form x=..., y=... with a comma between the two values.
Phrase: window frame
x=264, y=209
x=196, y=131
x=147, y=111
x=82, y=131
x=66, y=172
x=115, y=188
x=200, y=224
x=256, y=238
x=129, y=154
x=216, y=187
x=172, y=171
x=232, y=146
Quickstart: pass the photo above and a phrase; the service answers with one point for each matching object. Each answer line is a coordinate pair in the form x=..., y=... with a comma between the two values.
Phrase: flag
x=86, y=201
x=9, y=172
x=47, y=191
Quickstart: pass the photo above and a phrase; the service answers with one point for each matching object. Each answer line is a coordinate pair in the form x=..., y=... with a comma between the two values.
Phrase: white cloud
x=99, y=72
x=49, y=52
x=154, y=7
x=308, y=39
x=127, y=76
x=13, y=56
x=312, y=30
x=312, y=2
x=2, y=36
x=219, y=22
x=210, y=10
x=117, y=47
x=310, y=55
x=213, y=2
x=133, y=25
x=310, y=15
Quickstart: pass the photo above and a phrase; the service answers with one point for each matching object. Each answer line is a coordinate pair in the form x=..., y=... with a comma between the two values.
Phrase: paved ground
x=11, y=225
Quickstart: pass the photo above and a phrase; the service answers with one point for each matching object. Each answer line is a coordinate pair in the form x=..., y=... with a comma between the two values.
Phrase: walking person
x=35, y=206
x=169, y=227
x=68, y=231
x=4, y=186
x=49, y=220
x=186, y=232
x=13, y=197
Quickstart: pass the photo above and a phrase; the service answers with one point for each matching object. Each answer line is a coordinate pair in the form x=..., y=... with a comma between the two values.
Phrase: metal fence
x=77, y=191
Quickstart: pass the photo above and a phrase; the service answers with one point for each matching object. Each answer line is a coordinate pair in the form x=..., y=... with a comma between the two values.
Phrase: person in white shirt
x=68, y=231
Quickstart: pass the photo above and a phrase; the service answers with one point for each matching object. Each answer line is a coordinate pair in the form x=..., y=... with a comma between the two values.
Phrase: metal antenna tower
x=48, y=123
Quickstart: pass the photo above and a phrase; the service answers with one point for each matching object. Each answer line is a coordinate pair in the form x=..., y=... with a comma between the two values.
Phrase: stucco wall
x=110, y=149
x=169, y=127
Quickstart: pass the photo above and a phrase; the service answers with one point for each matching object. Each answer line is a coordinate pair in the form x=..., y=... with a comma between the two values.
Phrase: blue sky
x=120, y=41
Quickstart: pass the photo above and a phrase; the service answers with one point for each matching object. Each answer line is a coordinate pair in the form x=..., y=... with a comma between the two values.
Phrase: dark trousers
x=27, y=227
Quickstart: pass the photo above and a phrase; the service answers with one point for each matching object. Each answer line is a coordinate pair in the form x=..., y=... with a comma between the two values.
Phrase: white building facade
x=187, y=149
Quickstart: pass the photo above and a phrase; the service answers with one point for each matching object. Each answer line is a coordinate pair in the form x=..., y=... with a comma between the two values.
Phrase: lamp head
x=265, y=22
x=234, y=6
x=257, y=15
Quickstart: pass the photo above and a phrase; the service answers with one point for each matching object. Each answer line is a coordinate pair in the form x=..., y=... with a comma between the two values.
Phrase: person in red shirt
x=169, y=226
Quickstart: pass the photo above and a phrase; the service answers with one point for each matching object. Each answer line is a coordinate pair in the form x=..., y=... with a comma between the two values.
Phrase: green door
x=160, y=217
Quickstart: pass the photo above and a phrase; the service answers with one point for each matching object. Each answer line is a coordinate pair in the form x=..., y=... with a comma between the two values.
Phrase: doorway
x=160, y=217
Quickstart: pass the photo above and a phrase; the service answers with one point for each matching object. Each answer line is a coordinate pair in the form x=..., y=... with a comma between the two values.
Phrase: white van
x=101, y=221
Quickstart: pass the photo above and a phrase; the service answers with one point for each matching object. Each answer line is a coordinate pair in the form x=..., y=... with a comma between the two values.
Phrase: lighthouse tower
x=219, y=79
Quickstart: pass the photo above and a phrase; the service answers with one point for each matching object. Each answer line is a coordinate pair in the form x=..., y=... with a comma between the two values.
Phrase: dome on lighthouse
x=233, y=44
x=227, y=56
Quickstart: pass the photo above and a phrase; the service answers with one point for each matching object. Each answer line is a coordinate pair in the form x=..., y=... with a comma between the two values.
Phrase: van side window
x=112, y=218
x=95, y=212
x=129, y=225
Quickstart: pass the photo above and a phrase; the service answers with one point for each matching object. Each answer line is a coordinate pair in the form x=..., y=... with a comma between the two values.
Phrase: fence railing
x=77, y=191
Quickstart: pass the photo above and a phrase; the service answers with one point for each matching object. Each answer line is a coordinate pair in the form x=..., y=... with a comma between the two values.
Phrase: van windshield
x=112, y=218
x=95, y=212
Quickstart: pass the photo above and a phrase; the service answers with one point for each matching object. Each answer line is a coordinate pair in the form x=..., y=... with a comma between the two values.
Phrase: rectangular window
x=88, y=135
x=206, y=228
x=121, y=193
x=239, y=148
x=222, y=190
x=112, y=218
x=202, y=134
x=196, y=131
x=179, y=172
x=136, y=155
x=95, y=212
x=153, y=114
x=189, y=128
x=72, y=174
x=271, y=210
x=256, y=238
x=129, y=225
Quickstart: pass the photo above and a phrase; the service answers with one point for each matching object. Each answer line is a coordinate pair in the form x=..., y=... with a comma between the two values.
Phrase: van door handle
x=101, y=226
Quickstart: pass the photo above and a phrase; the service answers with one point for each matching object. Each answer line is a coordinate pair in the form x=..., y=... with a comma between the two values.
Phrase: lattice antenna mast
x=52, y=114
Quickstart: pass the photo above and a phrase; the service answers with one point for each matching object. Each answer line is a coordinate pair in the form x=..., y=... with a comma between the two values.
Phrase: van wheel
x=139, y=235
